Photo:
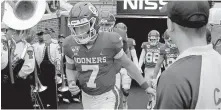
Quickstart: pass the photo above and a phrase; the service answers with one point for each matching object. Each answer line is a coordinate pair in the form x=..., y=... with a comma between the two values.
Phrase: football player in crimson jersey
x=91, y=59
x=149, y=56
x=107, y=21
x=129, y=49
x=168, y=54
x=123, y=81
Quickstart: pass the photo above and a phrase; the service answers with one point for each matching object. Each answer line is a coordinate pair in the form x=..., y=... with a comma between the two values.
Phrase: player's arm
x=134, y=56
x=134, y=71
x=158, y=66
x=72, y=76
x=129, y=65
x=71, y=72
x=141, y=59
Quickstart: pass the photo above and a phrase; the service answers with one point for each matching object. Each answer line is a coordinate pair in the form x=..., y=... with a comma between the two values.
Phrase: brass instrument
x=38, y=85
x=23, y=14
x=38, y=88
x=63, y=87
x=11, y=45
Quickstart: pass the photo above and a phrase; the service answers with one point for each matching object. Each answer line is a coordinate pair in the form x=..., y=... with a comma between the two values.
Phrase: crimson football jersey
x=96, y=65
x=170, y=55
x=152, y=54
x=123, y=34
x=130, y=43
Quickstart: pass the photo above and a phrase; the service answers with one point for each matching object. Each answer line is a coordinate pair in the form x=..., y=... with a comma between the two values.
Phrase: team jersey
x=123, y=34
x=152, y=54
x=96, y=66
x=170, y=55
x=131, y=43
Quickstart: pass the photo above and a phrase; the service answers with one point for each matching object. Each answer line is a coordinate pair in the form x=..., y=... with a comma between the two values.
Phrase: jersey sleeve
x=169, y=93
x=66, y=47
x=117, y=43
x=70, y=63
x=122, y=33
x=133, y=43
x=178, y=87
x=143, y=46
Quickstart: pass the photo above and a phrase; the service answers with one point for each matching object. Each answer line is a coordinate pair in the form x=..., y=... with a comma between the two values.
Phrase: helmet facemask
x=106, y=26
x=83, y=30
x=153, y=40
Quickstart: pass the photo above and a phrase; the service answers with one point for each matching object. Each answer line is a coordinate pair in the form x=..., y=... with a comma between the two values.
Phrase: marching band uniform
x=23, y=62
x=48, y=58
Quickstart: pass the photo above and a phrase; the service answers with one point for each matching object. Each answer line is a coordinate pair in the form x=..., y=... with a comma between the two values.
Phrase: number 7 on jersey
x=95, y=70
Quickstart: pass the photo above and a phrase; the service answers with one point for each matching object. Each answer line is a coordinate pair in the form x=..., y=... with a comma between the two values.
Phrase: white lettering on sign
x=153, y=5
x=144, y=4
x=129, y=2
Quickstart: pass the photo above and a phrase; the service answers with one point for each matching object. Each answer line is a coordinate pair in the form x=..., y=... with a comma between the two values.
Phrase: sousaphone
x=23, y=14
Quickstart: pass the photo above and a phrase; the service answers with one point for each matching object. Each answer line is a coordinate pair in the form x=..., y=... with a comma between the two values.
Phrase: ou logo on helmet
x=93, y=10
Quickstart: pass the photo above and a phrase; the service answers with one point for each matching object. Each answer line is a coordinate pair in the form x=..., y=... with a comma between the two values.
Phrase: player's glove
x=73, y=88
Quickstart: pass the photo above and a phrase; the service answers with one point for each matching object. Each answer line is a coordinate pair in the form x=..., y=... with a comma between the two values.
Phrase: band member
x=48, y=59
x=18, y=61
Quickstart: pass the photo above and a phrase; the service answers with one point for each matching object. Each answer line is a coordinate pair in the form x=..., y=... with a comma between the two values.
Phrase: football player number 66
x=95, y=69
x=152, y=57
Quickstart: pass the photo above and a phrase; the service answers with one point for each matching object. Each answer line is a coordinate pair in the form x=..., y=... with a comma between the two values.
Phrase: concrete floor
x=136, y=100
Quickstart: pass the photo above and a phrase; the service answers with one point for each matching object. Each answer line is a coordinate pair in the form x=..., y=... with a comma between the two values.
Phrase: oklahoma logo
x=75, y=50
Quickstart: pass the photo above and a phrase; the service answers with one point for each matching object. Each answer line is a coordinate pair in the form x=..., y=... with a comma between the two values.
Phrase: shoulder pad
x=144, y=44
x=131, y=41
x=67, y=41
x=121, y=32
x=114, y=37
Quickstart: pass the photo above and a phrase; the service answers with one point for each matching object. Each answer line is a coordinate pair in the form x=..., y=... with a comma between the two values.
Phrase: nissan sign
x=140, y=7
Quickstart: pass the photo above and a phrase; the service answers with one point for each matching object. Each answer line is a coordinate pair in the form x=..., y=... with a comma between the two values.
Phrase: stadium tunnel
x=138, y=29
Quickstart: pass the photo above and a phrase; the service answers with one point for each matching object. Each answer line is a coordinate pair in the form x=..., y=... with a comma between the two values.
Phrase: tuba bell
x=23, y=14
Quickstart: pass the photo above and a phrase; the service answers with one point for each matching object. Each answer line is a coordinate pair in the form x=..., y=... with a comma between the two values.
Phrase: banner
x=140, y=7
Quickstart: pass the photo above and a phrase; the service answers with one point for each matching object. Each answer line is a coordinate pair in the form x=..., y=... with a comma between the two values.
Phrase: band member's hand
x=73, y=88
x=151, y=91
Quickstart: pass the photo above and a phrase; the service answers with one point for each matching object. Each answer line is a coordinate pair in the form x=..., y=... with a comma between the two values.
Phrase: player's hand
x=140, y=70
x=73, y=88
x=151, y=91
